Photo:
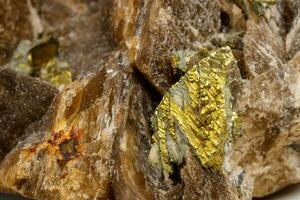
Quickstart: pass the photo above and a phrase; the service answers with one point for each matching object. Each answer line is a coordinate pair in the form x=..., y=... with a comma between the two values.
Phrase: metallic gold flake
x=19, y=61
x=196, y=113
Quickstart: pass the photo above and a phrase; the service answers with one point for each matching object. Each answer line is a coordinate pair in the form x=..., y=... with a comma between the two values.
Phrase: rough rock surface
x=14, y=26
x=94, y=141
x=82, y=29
x=152, y=30
x=269, y=111
x=263, y=49
x=24, y=100
x=72, y=147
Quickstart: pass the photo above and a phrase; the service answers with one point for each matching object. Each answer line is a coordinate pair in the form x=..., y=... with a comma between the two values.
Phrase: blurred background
x=11, y=197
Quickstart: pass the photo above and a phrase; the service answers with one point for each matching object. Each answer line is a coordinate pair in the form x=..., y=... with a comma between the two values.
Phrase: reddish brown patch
x=76, y=133
x=55, y=137
x=31, y=149
x=67, y=143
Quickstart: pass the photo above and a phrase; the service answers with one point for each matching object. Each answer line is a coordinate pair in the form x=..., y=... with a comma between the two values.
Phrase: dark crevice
x=176, y=176
x=20, y=182
x=239, y=56
x=155, y=96
x=295, y=147
x=111, y=193
x=241, y=65
x=225, y=22
x=288, y=16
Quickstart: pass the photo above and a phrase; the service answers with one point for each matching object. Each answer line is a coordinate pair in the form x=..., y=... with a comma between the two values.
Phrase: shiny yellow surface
x=196, y=113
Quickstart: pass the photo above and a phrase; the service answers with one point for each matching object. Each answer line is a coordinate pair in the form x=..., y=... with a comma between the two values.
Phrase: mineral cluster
x=197, y=106
x=149, y=99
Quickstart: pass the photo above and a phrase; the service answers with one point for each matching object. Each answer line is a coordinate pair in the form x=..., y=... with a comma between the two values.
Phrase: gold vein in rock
x=196, y=113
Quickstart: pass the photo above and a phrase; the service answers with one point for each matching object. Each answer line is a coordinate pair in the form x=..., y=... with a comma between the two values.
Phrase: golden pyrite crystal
x=195, y=113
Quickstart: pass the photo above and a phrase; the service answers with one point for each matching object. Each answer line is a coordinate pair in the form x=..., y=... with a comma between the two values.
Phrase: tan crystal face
x=195, y=113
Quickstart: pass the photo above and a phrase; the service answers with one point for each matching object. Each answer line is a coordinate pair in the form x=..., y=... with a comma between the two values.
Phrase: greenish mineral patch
x=40, y=59
x=182, y=61
x=195, y=113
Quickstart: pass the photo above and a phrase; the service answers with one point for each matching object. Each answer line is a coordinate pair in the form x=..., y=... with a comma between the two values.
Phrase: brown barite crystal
x=170, y=99
x=24, y=100
x=73, y=148
x=152, y=30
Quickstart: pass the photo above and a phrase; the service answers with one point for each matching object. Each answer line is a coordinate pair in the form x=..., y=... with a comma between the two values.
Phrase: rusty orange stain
x=64, y=144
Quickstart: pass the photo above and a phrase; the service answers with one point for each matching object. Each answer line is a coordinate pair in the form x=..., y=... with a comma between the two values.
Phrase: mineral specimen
x=75, y=142
x=167, y=99
x=196, y=111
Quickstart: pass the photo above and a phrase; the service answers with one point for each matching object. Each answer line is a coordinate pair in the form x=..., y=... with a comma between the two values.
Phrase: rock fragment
x=153, y=30
x=268, y=113
x=23, y=100
x=71, y=150
x=263, y=49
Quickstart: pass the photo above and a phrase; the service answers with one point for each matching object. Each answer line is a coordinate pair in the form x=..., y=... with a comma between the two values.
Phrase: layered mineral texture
x=149, y=99
x=200, y=106
x=195, y=117
x=71, y=150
